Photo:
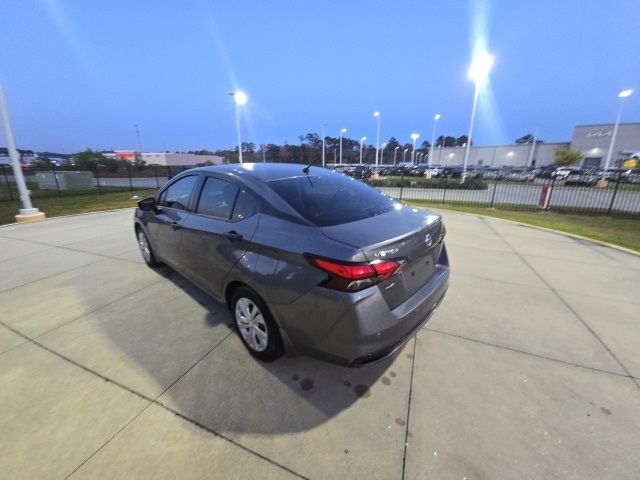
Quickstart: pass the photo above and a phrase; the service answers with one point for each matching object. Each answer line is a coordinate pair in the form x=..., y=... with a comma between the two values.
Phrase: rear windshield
x=333, y=199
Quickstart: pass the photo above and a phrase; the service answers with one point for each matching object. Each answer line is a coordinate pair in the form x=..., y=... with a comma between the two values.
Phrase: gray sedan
x=308, y=260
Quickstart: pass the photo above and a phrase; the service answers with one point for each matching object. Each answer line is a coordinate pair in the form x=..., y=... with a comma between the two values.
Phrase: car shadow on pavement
x=229, y=391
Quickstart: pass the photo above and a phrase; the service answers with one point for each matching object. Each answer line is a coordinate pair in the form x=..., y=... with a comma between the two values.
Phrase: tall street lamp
x=382, y=153
x=361, y=140
x=342, y=132
x=404, y=154
x=622, y=95
x=436, y=117
x=478, y=72
x=377, y=115
x=414, y=137
x=395, y=152
x=28, y=212
x=240, y=99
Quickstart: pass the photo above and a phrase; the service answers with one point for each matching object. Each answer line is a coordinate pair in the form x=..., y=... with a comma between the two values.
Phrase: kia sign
x=599, y=134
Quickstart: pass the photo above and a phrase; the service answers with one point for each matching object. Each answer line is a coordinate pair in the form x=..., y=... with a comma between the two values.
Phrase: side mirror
x=147, y=204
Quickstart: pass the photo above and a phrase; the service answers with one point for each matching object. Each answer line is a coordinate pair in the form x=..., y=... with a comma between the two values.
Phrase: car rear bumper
x=358, y=328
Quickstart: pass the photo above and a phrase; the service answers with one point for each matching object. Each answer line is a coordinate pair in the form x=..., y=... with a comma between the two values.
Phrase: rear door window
x=333, y=199
x=217, y=198
x=245, y=206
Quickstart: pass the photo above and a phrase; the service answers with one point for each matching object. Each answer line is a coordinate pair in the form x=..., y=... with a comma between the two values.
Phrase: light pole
x=361, y=140
x=138, y=135
x=342, y=131
x=622, y=95
x=414, y=137
x=323, y=127
x=478, y=72
x=28, y=212
x=377, y=115
x=395, y=152
x=240, y=99
x=436, y=117
x=382, y=153
x=533, y=146
x=404, y=154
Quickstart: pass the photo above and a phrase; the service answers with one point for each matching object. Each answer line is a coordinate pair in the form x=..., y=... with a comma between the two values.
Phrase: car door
x=218, y=232
x=173, y=208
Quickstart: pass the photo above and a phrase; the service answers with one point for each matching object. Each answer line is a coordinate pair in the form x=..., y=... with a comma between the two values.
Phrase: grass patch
x=624, y=232
x=70, y=204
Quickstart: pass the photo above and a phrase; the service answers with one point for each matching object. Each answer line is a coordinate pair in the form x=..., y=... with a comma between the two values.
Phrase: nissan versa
x=308, y=260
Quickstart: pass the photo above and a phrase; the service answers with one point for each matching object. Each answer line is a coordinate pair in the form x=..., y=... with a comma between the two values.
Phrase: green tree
x=462, y=140
x=392, y=143
x=91, y=160
x=566, y=156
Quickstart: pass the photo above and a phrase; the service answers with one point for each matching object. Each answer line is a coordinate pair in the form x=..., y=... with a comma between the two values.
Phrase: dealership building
x=593, y=141
x=165, y=158
x=180, y=159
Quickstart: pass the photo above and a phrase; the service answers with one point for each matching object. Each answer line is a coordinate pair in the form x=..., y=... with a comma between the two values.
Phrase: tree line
x=307, y=150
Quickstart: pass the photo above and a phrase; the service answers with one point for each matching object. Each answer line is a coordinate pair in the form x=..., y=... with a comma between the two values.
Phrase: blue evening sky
x=81, y=73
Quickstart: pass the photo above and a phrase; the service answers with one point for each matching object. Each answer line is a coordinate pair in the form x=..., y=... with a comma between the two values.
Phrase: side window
x=217, y=198
x=178, y=194
x=245, y=206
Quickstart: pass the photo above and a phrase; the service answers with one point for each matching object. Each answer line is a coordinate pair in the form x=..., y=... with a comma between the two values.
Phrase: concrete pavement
x=109, y=369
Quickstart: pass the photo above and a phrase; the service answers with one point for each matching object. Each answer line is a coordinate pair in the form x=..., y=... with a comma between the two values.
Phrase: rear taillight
x=352, y=277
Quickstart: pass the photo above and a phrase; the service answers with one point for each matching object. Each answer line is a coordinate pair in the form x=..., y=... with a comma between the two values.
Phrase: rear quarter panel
x=276, y=266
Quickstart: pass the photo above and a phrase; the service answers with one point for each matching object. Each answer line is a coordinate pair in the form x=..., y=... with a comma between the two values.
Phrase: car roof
x=264, y=172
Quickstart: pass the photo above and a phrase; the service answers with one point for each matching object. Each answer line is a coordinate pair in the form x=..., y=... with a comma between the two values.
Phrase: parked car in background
x=398, y=170
x=434, y=170
x=519, y=174
x=360, y=171
x=546, y=171
x=582, y=178
x=562, y=173
x=305, y=258
x=451, y=172
x=631, y=176
x=492, y=173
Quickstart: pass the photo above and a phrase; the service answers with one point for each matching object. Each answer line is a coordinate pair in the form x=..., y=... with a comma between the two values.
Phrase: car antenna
x=306, y=169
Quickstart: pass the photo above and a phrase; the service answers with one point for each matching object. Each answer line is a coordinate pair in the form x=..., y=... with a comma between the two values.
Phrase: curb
x=66, y=216
x=551, y=230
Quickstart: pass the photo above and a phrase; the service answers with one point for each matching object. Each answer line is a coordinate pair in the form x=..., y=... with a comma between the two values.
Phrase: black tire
x=255, y=326
x=145, y=248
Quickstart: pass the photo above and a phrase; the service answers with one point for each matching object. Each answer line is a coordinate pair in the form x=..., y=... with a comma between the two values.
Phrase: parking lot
x=108, y=369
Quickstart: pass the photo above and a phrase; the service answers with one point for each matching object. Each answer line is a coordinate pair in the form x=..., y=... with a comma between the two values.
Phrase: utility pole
x=138, y=135
x=28, y=212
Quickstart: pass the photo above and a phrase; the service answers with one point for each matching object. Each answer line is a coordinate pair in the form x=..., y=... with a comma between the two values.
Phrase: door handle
x=233, y=236
x=176, y=226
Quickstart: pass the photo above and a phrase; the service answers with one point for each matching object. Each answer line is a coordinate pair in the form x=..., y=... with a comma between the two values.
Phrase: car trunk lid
x=408, y=234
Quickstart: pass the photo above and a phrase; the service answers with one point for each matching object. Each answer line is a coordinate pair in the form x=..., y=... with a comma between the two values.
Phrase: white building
x=506, y=155
x=593, y=141
x=180, y=159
